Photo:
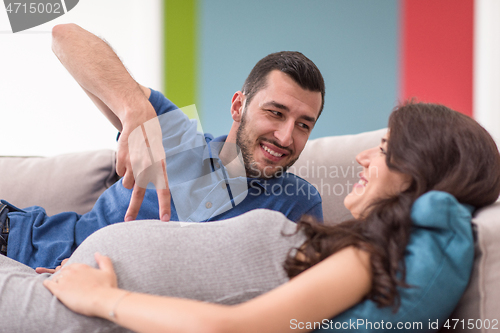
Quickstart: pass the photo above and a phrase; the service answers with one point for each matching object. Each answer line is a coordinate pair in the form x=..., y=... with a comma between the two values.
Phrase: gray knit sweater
x=226, y=262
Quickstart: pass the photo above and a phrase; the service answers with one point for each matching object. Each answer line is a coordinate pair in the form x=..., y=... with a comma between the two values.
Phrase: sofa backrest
x=73, y=182
x=329, y=164
x=70, y=182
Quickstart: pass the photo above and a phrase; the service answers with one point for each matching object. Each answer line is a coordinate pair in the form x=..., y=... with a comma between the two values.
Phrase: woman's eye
x=382, y=150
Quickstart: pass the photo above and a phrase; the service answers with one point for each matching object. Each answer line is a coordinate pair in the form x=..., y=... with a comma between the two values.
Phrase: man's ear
x=237, y=106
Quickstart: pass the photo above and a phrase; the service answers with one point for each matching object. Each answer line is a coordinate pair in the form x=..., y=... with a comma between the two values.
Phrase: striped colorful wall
x=373, y=54
x=437, y=51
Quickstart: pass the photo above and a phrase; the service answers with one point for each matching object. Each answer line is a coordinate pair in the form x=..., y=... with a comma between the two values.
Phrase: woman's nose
x=365, y=156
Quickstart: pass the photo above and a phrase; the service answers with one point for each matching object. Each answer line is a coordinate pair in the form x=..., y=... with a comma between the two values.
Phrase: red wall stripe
x=437, y=52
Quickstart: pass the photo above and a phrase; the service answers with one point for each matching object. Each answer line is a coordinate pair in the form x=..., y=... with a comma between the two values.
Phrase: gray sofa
x=73, y=182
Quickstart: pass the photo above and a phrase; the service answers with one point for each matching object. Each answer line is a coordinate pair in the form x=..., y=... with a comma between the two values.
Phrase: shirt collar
x=214, y=147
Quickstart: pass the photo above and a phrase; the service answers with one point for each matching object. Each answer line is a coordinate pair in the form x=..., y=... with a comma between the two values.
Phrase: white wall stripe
x=486, y=87
x=49, y=112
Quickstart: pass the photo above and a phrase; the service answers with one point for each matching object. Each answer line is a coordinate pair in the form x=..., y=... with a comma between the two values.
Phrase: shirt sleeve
x=160, y=103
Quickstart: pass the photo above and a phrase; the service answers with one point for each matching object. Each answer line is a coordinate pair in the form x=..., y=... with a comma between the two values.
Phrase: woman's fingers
x=106, y=266
x=41, y=270
x=104, y=262
x=51, y=286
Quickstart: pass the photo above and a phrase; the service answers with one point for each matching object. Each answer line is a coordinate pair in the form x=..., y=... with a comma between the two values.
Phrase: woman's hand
x=86, y=290
x=41, y=270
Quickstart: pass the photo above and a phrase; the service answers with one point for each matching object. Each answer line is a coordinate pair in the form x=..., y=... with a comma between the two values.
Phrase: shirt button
x=216, y=165
x=208, y=205
x=224, y=185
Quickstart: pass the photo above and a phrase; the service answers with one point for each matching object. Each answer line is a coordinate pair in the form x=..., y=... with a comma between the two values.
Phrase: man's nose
x=285, y=133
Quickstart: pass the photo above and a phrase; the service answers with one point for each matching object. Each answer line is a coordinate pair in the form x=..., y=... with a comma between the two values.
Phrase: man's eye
x=304, y=126
x=276, y=113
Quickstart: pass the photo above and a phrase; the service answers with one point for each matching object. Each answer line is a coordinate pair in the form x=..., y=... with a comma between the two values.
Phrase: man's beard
x=251, y=167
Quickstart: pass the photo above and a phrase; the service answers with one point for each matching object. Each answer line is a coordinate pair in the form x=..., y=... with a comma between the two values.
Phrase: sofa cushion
x=329, y=164
x=481, y=300
x=70, y=182
x=438, y=259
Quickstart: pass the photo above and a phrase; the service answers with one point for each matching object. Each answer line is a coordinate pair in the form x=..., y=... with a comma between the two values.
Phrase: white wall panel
x=487, y=65
x=43, y=110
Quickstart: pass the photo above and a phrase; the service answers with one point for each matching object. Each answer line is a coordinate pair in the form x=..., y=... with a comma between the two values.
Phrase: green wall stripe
x=180, y=40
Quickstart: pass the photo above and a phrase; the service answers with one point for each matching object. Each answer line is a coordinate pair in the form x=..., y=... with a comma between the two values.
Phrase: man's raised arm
x=104, y=78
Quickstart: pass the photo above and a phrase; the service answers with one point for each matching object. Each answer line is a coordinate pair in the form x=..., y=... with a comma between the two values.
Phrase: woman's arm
x=321, y=292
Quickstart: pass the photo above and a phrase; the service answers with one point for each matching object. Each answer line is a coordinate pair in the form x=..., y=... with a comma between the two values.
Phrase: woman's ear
x=237, y=106
x=407, y=181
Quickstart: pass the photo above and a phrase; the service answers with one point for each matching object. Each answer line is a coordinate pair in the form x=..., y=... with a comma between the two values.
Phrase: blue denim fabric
x=38, y=240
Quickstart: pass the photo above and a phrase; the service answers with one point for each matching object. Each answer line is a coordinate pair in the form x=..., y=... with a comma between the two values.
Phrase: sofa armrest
x=480, y=300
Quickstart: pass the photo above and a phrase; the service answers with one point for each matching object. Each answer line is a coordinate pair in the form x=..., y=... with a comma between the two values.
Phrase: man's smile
x=273, y=153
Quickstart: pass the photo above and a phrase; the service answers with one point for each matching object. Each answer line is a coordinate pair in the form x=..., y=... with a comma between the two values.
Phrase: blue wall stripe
x=353, y=42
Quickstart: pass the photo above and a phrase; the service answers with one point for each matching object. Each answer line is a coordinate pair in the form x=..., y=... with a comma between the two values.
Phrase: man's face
x=275, y=126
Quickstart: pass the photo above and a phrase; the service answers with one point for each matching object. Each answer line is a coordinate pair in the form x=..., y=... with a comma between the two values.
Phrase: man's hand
x=141, y=160
x=104, y=78
x=41, y=270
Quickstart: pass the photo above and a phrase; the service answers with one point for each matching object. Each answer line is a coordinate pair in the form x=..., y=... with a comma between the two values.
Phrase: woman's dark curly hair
x=440, y=149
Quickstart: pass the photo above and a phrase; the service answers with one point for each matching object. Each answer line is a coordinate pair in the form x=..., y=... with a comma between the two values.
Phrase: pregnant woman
x=255, y=272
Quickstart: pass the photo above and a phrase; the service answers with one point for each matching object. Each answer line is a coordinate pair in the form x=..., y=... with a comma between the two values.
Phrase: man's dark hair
x=300, y=68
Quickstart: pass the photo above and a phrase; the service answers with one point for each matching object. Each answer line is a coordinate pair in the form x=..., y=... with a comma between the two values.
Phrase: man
x=273, y=116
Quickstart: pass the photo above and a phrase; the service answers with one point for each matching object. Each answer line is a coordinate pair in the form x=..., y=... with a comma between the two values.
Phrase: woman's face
x=376, y=180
